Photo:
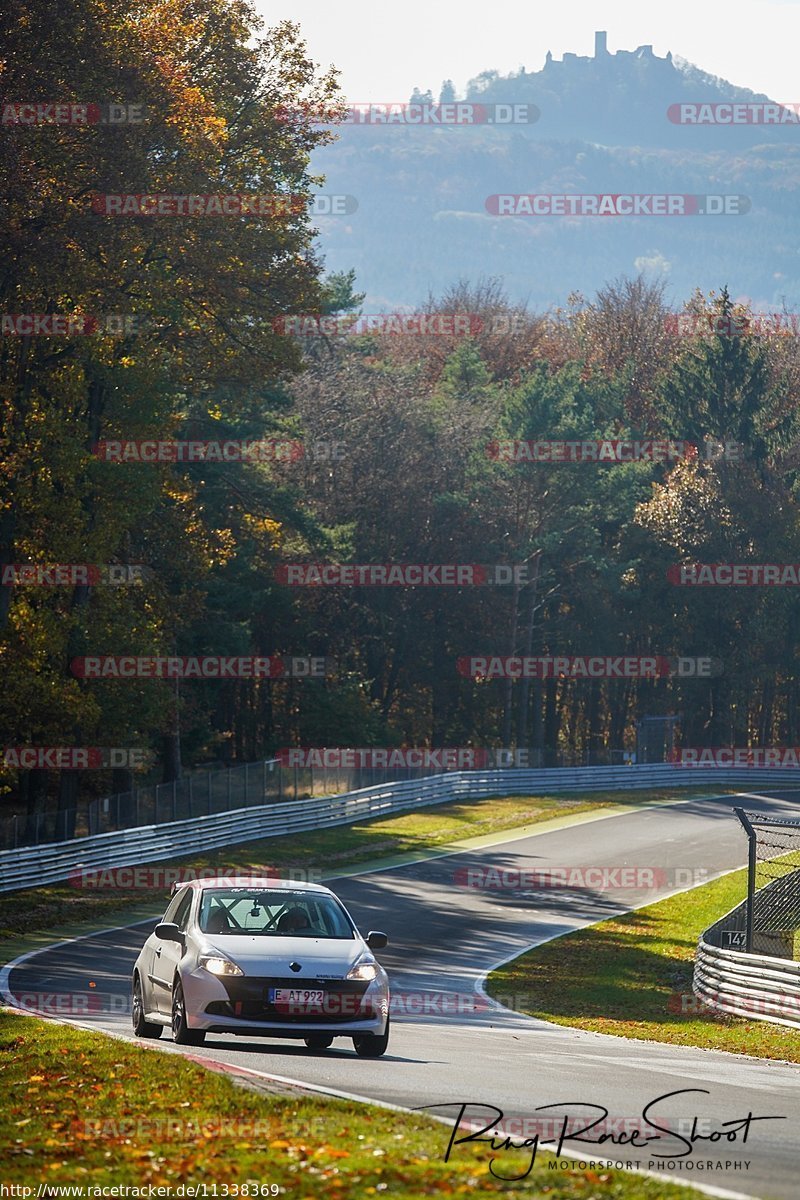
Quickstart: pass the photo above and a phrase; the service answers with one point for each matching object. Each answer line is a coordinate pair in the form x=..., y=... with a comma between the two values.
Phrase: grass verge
x=72, y=1117
x=61, y=907
x=631, y=976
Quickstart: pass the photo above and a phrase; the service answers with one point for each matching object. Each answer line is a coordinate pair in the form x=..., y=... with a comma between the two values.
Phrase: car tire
x=318, y=1041
x=141, y=1028
x=372, y=1045
x=182, y=1035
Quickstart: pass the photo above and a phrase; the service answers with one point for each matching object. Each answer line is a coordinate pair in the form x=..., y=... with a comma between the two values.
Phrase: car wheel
x=141, y=1028
x=181, y=1033
x=372, y=1045
x=318, y=1041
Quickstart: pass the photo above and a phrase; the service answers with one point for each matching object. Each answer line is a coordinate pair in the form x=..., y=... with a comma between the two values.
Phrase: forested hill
x=627, y=99
x=606, y=124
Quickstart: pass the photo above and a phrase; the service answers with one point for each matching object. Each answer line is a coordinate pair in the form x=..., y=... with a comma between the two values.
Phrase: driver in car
x=295, y=920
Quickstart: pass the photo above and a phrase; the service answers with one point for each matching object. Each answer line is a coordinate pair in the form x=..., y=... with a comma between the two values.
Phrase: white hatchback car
x=261, y=956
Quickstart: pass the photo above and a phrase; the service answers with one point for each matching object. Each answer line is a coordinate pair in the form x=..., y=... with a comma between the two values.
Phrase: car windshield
x=273, y=913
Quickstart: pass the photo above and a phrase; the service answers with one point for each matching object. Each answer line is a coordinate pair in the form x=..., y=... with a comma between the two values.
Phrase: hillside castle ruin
x=601, y=53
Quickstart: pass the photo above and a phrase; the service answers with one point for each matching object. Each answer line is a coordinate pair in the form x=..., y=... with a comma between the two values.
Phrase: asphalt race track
x=450, y=1047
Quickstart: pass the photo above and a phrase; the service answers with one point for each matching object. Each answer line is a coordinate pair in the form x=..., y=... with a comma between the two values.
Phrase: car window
x=178, y=899
x=182, y=912
x=272, y=913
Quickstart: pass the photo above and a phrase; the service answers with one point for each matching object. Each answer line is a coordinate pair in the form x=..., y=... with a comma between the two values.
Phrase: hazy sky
x=385, y=49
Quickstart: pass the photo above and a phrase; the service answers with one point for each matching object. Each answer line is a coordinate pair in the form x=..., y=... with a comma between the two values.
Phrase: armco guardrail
x=55, y=862
x=196, y=794
x=744, y=964
x=755, y=986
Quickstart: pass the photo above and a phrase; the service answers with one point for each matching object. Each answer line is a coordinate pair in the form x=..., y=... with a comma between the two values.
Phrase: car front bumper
x=241, y=1004
x=215, y=1024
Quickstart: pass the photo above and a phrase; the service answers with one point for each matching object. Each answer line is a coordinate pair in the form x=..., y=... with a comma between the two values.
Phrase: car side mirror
x=376, y=940
x=169, y=932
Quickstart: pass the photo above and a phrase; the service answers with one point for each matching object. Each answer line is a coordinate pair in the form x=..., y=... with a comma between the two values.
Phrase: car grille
x=247, y=998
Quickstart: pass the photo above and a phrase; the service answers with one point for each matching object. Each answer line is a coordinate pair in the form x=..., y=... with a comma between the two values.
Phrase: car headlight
x=362, y=970
x=217, y=965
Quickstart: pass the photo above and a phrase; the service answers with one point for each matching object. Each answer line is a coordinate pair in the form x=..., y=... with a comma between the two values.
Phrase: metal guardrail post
x=751, y=876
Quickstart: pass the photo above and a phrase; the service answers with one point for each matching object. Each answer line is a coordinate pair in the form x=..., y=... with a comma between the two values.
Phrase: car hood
x=261, y=955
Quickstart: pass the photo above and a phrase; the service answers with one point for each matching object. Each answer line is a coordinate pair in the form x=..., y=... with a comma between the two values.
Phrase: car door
x=150, y=960
x=167, y=955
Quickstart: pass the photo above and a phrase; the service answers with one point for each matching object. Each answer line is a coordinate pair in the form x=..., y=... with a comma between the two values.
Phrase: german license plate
x=296, y=998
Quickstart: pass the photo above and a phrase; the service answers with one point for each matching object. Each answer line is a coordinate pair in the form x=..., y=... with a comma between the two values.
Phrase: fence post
x=230, y=772
x=751, y=877
x=208, y=780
